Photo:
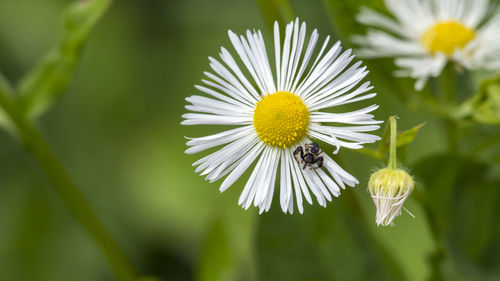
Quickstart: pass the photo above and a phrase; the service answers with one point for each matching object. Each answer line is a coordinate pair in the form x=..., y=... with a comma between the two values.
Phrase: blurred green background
x=117, y=131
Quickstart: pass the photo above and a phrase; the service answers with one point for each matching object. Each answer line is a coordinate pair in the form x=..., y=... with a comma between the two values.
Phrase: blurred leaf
x=227, y=253
x=5, y=121
x=43, y=85
x=371, y=153
x=403, y=139
x=408, y=136
x=333, y=243
x=148, y=278
x=343, y=14
x=216, y=262
x=462, y=203
x=487, y=105
x=276, y=10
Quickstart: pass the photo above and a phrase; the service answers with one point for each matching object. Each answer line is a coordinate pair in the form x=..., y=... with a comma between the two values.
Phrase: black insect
x=309, y=155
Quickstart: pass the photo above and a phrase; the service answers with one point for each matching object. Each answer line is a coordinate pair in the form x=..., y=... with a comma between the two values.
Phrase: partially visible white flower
x=426, y=34
x=272, y=114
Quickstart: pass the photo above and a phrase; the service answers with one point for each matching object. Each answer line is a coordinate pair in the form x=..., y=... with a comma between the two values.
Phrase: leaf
x=44, y=84
x=403, y=139
x=216, y=262
x=462, y=201
x=408, y=136
x=487, y=108
x=371, y=153
x=227, y=252
x=5, y=121
x=333, y=243
x=148, y=278
x=342, y=14
x=276, y=10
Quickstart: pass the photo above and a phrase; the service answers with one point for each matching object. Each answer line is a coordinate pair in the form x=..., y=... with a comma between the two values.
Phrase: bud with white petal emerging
x=389, y=189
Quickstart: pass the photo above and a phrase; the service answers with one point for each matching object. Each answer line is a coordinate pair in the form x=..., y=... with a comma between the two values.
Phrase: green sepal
x=408, y=136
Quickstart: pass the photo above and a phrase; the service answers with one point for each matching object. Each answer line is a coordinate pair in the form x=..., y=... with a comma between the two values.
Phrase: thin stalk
x=448, y=84
x=67, y=190
x=449, y=99
x=451, y=135
x=392, y=147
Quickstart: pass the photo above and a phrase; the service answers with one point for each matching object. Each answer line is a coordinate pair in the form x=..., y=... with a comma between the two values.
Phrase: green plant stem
x=451, y=135
x=75, y=201
x=449, y=99
x=448, y=84
x=392, y=149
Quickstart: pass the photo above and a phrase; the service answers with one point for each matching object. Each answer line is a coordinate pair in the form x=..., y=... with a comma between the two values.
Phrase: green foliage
x=408, y=136
x=148, y=278
x=228, y=248
x=43, y=85
x=343, y=15
x=462, y=203
x=323, y=244
x=128, y=153
x=216, y=262
x=403, y=138
x=5, y=121
x=276, y=10
x=486, y=104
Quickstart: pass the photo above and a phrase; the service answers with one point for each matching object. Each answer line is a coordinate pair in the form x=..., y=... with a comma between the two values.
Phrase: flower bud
x=389, y=189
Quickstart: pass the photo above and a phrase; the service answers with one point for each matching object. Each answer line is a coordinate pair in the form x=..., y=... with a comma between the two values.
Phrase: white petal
x=210, y=119
x=238, y=171
x=285, y=183
x=203, y=143
x=241, y=48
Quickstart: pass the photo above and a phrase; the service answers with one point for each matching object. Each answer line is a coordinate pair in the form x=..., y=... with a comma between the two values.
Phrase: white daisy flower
x=426, y=34
x=274, y=115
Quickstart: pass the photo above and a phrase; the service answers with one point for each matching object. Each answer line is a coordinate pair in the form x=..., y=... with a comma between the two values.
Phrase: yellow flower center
x=447, y=36
x=281, y=119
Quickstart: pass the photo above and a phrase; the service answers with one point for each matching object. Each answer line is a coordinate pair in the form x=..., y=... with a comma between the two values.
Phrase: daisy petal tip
x=223, y=187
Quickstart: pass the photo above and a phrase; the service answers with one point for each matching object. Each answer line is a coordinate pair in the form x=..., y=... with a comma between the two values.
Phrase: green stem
x=451, y=135
x=75, y=201
x=448, y=84
x=392, y=149
x=449, y=99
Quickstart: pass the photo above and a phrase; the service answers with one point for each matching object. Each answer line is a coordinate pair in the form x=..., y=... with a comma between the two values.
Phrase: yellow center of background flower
x=446, y=36
x=281, y=119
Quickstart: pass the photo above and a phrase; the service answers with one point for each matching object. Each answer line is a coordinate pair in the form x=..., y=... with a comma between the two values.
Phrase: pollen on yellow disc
x=446, y=36
x=281, y=119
